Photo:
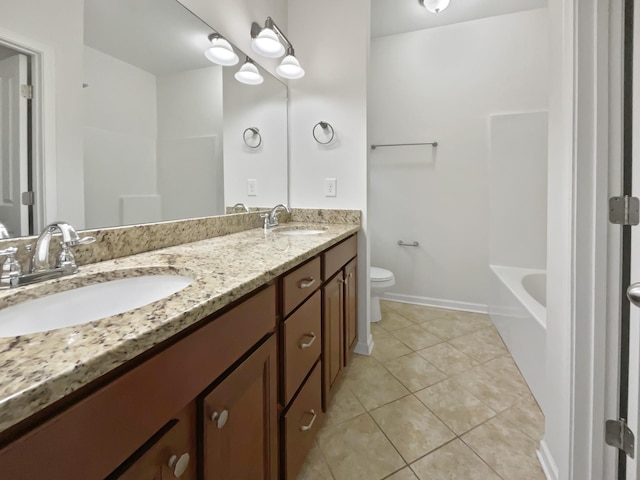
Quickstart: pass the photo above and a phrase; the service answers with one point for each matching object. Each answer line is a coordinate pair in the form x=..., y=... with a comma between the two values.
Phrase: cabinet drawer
x=299, y=284
x=302, y=344
x=173, y=451
x=302, y=422
x=336, y=257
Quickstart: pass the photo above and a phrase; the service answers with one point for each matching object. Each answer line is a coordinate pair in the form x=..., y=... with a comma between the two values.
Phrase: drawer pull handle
x=310, y=342
x=220, y=418
x=179, y=465
x=304, y=428
x=307, y=282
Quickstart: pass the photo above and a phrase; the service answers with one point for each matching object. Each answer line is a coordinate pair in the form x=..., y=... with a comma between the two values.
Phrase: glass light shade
x=435, y=6
x=267, y=44
x=249, y=74
x=221, y=52
x=290, y=68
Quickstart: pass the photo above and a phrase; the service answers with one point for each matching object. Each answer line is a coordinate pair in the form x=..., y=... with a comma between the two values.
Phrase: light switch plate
x=330, y=187
x=252, y=187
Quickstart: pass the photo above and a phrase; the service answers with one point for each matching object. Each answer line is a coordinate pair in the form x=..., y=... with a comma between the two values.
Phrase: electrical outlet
x=252, y=187
x=330, y=187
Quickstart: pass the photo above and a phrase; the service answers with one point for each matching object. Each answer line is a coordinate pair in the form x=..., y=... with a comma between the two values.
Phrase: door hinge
x=28, y=198
x=26, y=91
x=624, y=210
x=619, y=435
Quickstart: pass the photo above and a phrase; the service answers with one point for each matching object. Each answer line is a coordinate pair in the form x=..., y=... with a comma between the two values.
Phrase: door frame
x=581, y=356
x=43, y=125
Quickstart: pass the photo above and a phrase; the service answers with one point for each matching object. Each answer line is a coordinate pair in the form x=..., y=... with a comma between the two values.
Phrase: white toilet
x=381, y=280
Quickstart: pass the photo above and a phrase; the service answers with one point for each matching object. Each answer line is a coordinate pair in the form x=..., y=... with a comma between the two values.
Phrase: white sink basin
x=299, y=231
x=86, y=304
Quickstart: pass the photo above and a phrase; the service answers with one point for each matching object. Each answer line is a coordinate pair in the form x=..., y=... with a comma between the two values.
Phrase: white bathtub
x=517, y=308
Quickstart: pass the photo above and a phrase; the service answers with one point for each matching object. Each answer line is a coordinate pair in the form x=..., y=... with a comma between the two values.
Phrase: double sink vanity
x=225, y=375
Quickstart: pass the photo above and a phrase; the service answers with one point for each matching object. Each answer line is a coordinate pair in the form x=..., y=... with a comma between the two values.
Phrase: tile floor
x=440, y=398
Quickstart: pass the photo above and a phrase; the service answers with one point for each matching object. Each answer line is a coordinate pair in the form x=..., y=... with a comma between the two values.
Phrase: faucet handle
x=66, y=258
x=11, y=268
x=86, y=240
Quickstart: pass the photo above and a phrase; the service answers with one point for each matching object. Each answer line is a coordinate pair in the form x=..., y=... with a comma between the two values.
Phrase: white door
x=13, y=145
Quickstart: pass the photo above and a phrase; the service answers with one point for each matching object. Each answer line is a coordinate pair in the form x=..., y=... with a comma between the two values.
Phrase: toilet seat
x=378, y=274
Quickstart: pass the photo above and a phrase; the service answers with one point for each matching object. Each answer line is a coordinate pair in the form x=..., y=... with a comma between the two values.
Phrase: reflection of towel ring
x=324, y=126
x=256, y=133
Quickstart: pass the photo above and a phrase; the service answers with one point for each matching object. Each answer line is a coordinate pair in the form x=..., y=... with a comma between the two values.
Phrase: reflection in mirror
x=162, y=125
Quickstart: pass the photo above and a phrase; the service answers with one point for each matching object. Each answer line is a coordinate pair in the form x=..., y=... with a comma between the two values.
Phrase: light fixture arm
x=269, y=23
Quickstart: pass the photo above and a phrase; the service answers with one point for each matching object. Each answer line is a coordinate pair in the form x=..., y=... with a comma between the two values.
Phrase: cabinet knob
x=310, y=342
x=307, y=282
x=179, y=465
x=220, y=418
x=304, y=428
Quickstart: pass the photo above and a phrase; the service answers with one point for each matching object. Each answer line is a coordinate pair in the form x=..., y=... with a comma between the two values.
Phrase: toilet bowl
x=381, y=280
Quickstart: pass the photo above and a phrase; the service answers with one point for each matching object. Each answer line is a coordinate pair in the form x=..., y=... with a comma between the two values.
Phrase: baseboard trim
x=549, y=466
x=436, y=302
x=364, y=348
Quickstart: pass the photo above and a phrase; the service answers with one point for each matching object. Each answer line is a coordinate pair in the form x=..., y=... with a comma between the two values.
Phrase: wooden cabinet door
x=170, y=454
x=332, y=335
x=239, y=421
x=350, y=308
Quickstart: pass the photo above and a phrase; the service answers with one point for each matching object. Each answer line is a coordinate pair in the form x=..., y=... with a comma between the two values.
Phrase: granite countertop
x=41, y=368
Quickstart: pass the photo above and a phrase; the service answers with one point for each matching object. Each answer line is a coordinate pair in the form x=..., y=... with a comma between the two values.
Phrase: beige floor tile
x=420, y=313
x=358, y=449
x=454, y=461
x=497, y=395
x=507, y=450
x=415, y=337
x=482, y=345
x=452, y=327
x=404, y=474
x=386, y=347
x=315, y=466
x=505, y=374
x=377, y=329
x=447, y=358
x=411, y=427
x=527, y=417
x=344, y=406
x=392, y=320
x=373, y=385
x=455, y=406
x=414, y=372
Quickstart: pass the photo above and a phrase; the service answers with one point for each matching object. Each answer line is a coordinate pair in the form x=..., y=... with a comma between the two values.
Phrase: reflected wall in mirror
x=161, y=127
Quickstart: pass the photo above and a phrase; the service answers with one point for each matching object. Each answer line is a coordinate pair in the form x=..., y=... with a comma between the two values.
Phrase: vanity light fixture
x=434, y=6
x=249, y=74
x=221, y=51
x=268, y=41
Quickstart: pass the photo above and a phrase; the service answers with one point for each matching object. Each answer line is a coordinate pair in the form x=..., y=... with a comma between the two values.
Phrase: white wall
x=518, y=190
x=120, y=135
x=58, y=25
x=190, y=171
x=332, y=42
x=442, y=84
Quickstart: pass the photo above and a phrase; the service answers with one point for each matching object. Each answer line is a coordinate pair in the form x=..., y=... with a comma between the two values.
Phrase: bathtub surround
x=439, y=196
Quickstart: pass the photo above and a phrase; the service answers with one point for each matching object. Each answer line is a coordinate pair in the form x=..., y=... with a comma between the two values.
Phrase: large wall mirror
x=161, y=132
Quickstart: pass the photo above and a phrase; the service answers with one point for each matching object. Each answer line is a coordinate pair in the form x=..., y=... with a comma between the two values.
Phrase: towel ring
x=324, y=126
x=255, y=133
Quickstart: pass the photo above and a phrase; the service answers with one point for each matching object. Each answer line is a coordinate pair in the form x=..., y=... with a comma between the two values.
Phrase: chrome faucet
x=40, y=270
x=241, y=206
x=70, y=238
x=272, y=218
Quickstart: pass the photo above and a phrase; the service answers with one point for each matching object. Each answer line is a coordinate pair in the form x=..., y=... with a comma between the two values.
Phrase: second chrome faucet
x=271, y=218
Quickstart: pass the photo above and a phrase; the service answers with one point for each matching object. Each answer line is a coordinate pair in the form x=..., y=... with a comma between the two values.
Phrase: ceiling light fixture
x=249, y=74
x=221, y=51
x=267, y=42
x=434, y=6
